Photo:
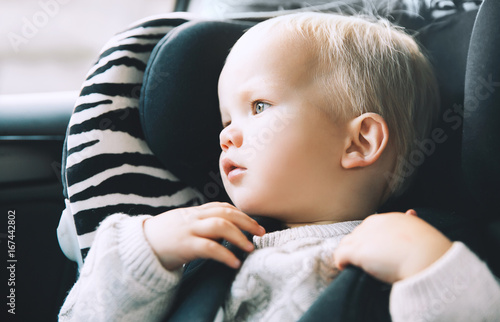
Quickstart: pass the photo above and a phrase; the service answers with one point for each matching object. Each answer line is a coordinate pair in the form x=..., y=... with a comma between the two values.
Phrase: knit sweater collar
x=281, y=237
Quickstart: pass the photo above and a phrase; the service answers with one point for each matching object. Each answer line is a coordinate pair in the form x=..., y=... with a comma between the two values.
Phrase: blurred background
x=49, y=45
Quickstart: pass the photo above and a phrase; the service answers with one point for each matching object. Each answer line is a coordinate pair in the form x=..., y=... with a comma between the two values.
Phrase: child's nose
x=230, y=136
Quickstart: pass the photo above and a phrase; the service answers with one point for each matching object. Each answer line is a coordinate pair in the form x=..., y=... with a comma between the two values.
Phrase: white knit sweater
x=122, y=280
x=287, y=271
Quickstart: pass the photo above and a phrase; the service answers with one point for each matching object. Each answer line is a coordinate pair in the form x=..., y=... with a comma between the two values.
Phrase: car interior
x=54, y=147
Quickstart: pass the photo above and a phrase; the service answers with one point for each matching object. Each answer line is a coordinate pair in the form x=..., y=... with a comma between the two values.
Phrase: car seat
x=143, y=137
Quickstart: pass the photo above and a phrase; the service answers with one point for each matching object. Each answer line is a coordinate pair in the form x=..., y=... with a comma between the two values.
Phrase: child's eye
x=260, y=107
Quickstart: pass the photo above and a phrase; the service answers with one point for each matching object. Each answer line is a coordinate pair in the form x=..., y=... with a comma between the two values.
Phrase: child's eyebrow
x=253, y=84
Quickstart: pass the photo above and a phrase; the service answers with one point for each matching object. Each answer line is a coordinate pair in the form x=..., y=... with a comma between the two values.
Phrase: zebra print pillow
x=107, y=165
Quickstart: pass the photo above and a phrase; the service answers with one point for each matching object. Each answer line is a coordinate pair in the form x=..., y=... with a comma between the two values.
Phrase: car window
x=49, y=45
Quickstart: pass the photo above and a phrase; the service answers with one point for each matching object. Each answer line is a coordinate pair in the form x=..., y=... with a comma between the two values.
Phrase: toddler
x=319, y=111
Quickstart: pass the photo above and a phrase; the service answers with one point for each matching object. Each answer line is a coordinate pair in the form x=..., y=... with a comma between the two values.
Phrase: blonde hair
x=368, y=65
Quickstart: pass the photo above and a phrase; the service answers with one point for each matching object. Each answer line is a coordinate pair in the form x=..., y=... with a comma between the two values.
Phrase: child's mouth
x=231, y=169
x=235, y=174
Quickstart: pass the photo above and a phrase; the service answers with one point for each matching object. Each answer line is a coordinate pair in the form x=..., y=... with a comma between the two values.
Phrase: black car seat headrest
x=481, y=134
x=438, y=183
x=481, y=149
x=179, y=106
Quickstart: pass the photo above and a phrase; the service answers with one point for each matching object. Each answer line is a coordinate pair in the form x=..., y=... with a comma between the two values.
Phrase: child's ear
x=368, y=138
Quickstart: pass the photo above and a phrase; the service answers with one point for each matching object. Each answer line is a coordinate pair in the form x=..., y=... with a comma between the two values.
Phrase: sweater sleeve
x=121, y=279
x=457, y=287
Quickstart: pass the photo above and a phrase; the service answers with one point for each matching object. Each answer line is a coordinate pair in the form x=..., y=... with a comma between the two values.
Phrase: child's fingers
x=411, y=212
x=233, y=215
x=216, y=204
x=220, y=228
x=207, y=248
x=344, y=254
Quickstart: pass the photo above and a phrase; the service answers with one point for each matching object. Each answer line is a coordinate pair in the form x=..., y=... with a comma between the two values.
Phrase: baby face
x=280, y=151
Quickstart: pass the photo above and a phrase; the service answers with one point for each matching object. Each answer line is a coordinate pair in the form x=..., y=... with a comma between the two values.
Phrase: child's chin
x=252, y=209
x=261, y=209
x=260, y=212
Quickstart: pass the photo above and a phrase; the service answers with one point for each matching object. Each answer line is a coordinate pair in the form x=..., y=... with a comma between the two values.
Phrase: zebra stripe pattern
x=108, y=166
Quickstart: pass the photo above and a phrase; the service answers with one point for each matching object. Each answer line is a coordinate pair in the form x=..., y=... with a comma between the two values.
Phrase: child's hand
x=182, y=235
x=392, y=247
